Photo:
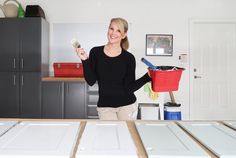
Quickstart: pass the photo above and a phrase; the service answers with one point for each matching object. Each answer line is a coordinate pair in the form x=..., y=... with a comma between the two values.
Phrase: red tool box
x=68, y=70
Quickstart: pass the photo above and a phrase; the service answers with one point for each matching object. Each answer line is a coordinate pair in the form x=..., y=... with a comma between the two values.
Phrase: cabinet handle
x=14, y=63
x=22, y=80
x=14, y=80
x=22, y=63
x=59, y=88
x=67, y=88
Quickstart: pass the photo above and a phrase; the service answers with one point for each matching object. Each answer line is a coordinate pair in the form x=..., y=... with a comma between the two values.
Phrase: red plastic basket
x=165, y=80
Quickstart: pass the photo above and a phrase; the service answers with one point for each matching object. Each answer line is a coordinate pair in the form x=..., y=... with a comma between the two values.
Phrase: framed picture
x=159, y=45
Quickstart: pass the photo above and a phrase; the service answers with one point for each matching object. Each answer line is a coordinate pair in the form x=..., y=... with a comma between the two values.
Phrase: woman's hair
x=123, y=26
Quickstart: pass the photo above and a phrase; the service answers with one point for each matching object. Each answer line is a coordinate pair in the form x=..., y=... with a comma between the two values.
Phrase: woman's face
x=114, y=34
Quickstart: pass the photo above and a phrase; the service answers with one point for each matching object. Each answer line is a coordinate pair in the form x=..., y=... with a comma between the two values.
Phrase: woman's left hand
x=81, y=53
x=149, y=74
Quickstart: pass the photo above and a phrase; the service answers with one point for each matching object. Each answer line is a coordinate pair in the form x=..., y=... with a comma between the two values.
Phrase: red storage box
x=165, y=80
x=68, y=70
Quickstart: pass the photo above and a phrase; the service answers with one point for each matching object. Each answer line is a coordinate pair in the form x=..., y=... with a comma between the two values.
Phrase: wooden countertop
x=63, y=79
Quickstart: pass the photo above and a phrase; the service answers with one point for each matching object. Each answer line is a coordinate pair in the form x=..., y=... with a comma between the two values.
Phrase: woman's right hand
x=81, y=53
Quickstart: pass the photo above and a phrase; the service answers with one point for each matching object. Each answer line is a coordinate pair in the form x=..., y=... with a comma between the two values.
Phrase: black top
x=115, y=77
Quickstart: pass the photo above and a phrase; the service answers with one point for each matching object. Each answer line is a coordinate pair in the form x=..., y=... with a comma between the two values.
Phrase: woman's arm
x=89, y=65
x=131, y=83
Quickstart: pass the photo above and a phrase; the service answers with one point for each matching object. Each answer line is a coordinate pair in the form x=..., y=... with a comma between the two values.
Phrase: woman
x=113, y=68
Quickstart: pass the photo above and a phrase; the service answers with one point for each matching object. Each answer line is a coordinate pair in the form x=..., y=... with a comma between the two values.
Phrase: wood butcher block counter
x=96, y=138
x=62, y=79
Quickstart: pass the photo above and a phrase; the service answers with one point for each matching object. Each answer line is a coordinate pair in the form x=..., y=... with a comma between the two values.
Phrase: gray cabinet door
x=30, y=94
x=9, y=44
x=9, y=94
x=75, y=94
x=52, y=100
x=30, y=44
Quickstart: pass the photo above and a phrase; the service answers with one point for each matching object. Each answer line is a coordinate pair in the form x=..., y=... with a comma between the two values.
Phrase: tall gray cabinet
x=24, y=45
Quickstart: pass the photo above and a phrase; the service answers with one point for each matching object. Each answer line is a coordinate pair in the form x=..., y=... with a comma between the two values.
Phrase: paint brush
x=75, y=43
x=149, y=64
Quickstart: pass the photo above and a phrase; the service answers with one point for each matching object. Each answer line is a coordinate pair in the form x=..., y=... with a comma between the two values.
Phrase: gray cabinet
x=9, y=94
x=20, y=94
x=23, y=62
x=64, y=99
x=75, y=106
x=24, y=44
x=30, y=94
x=9, y=44
x=53, y=99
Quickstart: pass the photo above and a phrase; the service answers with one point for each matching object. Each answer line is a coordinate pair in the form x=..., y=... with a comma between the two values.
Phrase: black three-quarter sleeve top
x=115, y=77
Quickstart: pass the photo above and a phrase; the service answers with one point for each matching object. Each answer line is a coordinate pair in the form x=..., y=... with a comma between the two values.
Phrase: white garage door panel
x=218, y=138
x=231, y=124
x=6, y=125
x=167, y=140
x=106, y=139
x=39, y=139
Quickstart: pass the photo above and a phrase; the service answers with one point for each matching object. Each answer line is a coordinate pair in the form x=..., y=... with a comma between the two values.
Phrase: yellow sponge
x=152, y=95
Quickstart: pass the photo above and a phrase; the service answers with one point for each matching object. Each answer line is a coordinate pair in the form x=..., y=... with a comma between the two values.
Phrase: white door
x=212, y=70
x=106, y=139
x=167, y=140
x=218, y=138
x=5, y=126
x=40, y=139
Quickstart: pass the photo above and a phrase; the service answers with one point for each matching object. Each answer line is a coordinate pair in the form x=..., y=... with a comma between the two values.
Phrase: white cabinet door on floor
x=167, y=140
x=39, y=139
x=6, y=125
x=106, y=139
x=220, y=139
x=232, y=124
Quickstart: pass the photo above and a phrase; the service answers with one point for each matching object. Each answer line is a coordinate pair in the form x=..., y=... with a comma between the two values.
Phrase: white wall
x=145, y=17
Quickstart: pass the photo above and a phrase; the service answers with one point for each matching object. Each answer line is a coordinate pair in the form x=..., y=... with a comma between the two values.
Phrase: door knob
x=197, y=77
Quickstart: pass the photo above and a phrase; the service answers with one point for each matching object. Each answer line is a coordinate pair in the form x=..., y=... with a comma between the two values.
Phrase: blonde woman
x=113, y=68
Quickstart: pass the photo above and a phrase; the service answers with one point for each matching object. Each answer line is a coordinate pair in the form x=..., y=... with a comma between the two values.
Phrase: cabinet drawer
x=93, y=88
x=93, y=99
x=92, y=110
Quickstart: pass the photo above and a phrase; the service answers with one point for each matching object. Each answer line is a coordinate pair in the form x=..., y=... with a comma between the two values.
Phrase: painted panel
x=5, y=126
x=39, y=139
x=167, y=140
x=231, y=124
x=106, y=139
x=220, y=139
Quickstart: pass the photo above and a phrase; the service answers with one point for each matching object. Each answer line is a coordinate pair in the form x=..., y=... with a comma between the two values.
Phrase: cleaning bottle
x=21, y=12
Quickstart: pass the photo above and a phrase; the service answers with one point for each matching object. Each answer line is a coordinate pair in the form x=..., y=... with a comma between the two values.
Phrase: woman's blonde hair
x=123, y=26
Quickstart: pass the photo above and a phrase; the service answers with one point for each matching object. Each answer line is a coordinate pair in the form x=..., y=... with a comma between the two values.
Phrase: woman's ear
x=125, y=35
